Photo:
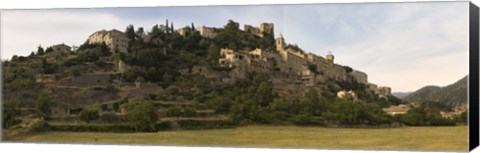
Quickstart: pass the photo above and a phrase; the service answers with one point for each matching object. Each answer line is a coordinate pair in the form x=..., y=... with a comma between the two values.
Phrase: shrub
x=109, y=117
x=89, y=115
x=39, y=126
x=174, y=112
x=143, y=117
x=162, y=126
x=189, y=112
x=110, y=88
x=305, y=119
x=205, y=124
x=76, y=72
x=93, y=128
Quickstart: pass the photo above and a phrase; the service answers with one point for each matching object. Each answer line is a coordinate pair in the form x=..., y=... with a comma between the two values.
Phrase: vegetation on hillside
x=159, y=61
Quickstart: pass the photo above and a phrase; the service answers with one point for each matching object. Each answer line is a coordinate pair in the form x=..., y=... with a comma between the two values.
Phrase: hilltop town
x=222, y=76
x=286, y=64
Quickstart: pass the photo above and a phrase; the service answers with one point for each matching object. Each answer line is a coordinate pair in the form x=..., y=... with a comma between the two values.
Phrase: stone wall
x=359, y=76
x=86, y=80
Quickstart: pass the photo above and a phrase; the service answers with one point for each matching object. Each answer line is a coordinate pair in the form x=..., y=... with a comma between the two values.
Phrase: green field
x=453, y=138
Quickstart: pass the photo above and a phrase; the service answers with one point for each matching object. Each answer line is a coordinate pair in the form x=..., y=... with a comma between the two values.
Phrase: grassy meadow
x=454, y=138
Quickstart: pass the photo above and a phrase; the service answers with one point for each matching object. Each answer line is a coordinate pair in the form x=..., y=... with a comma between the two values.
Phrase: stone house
x=347, y=94
x=207, y=32
x=255, y=60
x=448, y=115
x=295, y=65
x=397, y=110
x=114, y=39
x=183, y=31
x=44, y=78
x=60, y=48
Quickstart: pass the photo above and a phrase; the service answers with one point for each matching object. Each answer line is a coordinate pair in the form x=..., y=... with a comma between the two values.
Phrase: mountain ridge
x=452, y=95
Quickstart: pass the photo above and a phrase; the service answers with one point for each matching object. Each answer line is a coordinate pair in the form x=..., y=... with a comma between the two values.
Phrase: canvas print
x=370, y=76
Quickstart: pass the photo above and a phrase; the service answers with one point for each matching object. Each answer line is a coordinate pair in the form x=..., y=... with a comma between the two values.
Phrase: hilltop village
x=287, y=64
x=190, y=78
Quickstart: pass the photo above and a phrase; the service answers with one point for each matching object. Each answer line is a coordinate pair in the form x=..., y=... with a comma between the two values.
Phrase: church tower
x=280, y=42
x=330, y=56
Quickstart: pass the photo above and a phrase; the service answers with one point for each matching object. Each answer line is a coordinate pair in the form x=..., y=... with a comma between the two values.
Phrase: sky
x=401, y=45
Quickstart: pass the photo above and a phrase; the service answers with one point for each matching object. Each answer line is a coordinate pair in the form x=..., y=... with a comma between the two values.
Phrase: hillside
x=451, y=95
x=401, y=95
x=189, y=75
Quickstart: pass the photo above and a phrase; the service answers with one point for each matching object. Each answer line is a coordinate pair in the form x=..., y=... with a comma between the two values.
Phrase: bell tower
x=280, y=42
x=330, y=56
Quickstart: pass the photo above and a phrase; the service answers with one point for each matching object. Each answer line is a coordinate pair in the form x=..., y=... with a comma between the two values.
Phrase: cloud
x=22, y=31
x=417, y=45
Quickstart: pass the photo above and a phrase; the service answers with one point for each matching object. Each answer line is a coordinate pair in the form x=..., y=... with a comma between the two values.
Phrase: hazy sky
x=402, y=45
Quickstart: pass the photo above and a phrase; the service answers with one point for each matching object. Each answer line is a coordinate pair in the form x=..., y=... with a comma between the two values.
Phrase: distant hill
x=452, y=95
x=401, y=95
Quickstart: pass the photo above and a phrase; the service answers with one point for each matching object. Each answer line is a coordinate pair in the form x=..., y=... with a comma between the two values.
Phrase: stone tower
x=266, y=28
x=280, y=42
x=330, y=56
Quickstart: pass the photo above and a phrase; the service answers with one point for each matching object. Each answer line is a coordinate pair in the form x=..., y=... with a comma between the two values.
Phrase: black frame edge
x=473, y=76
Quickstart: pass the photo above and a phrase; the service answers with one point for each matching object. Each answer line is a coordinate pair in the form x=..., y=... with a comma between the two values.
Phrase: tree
x=139, y=33
x=89, y=115
x=49, y=50
x=248, y=111
x=143, y=117
x=264, y=94
x=427, y=114
x=155, y=30
x=9, y=113
x=40, y=50
x=130, y=31
x=31, y=54
x=42, y=104
x=167, y=29
x=213, y=53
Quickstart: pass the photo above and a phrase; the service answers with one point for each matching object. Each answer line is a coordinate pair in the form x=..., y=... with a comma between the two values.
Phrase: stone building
x=347, y=94
x=372, y=87
x=259, y=31
x=58, y=53
x=207, y=32
x=255, y=60
x=397, y=110
x=383, y=91
x=60, y=48
x=330, y=57
x=294, y=64
x=114, y=39
x=266, y=28
x=183, y=31
x=359, y=77
x=122, y=66
x=252, y=30
x=44, y=78
x=291, y=60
